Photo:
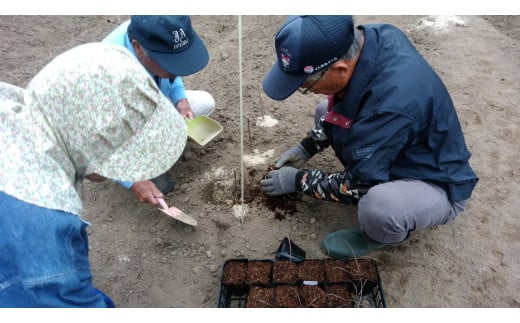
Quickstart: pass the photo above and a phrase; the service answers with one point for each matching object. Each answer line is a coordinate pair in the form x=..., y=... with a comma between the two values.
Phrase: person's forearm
x=177, y=90
x=125, y=184
x=327, y=187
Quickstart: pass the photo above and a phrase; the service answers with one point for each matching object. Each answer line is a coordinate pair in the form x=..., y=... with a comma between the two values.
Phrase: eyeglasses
x=306, y=90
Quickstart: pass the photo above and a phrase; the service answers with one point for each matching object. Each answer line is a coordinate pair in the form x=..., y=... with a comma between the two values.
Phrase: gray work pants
x=391, y=210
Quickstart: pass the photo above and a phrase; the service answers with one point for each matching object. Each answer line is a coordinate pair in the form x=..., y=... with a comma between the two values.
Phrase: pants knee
x=208, y=107
x=378, y=220
x=201, y=102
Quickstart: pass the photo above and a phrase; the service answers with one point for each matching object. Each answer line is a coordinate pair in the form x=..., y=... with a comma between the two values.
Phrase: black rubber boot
x=164, y=183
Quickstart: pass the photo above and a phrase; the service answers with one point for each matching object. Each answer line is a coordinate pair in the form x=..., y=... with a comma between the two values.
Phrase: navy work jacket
x=396, y=119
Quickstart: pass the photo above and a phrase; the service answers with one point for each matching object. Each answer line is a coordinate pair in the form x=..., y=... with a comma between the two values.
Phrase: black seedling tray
x=369, y=294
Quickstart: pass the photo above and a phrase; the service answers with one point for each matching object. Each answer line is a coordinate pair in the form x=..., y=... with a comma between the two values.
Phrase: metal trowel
x=175, y=213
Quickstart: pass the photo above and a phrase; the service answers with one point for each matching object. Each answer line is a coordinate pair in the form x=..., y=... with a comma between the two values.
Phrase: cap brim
x=153, y=150
x=187, y=62
x=279, y=85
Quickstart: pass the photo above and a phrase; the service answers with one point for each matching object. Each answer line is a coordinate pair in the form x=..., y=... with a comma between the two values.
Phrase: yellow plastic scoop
x=203, y=129
x=175, y=213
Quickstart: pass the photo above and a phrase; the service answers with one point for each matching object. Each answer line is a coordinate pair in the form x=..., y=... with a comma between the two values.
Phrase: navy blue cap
x=171, y=42
x=305, y=45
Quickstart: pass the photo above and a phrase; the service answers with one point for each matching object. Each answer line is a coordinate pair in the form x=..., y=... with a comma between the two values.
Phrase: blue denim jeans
x=44, y=258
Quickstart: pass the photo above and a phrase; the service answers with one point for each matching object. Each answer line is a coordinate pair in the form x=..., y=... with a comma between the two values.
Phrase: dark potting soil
x=311, y=270
x=336, y=271
x=312, y=296
x=308, y=283
x=260, y=297
x=281, y=206
x=338, y=296
x=286, y=296
x=234, y=273
x=285, y=272
x=362, y=270
x=303, y=296
x=259, y=272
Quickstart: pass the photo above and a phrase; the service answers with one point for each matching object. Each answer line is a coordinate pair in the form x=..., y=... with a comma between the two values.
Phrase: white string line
x=241, y=120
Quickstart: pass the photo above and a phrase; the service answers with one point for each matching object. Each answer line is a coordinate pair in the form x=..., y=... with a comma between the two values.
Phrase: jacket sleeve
x=327, y=187
x=177, y=90
x=125, y=184
x=315, y=142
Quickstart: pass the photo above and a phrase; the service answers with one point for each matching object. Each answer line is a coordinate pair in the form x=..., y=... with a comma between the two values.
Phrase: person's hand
x=184, y=108
x=280, y=181
x=295, y=157
x=147, y=192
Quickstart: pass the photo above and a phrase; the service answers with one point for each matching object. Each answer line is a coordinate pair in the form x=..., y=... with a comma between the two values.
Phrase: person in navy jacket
x=390, y=121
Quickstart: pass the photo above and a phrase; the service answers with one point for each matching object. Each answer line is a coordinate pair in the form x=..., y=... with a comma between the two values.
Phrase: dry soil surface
x=142, y=258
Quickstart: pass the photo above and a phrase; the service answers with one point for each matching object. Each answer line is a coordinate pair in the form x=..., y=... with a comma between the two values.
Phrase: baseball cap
x=305, y=45
x=171, y=42
x=110, y=116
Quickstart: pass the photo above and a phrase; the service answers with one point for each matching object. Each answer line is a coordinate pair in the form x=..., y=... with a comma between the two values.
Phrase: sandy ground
x=144, y=259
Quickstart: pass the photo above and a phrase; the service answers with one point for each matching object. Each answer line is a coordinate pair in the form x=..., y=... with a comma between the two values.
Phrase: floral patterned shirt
x=93, y=109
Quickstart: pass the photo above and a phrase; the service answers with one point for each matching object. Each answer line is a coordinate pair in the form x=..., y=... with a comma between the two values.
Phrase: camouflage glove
x=295, y=157
x=280, y=181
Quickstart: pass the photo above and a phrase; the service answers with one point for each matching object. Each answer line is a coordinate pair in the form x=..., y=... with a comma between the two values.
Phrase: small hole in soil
x=282, y=206
x=218, y=192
